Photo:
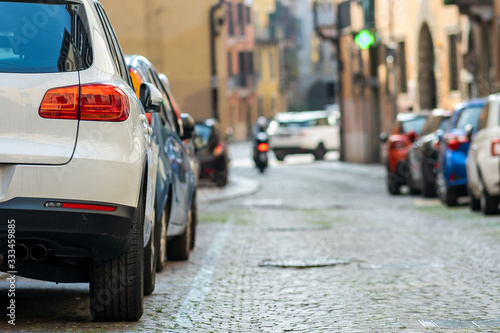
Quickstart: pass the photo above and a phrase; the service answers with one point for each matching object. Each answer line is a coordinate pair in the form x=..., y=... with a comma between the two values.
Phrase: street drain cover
x=303, y=263
x=461, y=323
x=303, y=228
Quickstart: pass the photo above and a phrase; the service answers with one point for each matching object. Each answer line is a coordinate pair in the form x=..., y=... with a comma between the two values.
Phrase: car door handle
x=474, y=147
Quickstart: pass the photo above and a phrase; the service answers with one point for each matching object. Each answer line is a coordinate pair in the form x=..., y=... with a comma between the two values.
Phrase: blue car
x=176, y=211
x=451, y=179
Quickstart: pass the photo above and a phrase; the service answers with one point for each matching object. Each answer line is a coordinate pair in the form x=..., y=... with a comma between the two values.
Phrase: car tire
x=489, y=203
x=150, y=260
x=409, y=180
x=221, y=178
x=194, y=221
x=320, y=152
x=393, y=184
x=161, y=238
x=117, y=285
x=280, y=156
x=428, y=191
x=474, y=203
x=178, y=247
x=451, y=197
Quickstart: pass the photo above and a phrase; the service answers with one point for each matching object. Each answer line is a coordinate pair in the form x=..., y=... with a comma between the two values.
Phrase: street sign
x=364, y=39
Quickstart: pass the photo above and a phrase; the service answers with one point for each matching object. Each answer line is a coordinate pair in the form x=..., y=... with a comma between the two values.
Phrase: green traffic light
x=364, y=39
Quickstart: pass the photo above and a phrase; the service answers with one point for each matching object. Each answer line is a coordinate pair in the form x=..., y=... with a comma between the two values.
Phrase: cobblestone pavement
x=321, y=247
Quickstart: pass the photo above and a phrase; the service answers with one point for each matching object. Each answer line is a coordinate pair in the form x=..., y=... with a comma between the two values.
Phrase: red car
x=406, y=129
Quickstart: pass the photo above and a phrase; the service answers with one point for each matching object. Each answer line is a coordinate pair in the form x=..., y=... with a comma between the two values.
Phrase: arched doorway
x=426, y=78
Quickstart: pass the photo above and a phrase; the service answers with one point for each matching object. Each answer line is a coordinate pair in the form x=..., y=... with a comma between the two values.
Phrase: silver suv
x=77, y=175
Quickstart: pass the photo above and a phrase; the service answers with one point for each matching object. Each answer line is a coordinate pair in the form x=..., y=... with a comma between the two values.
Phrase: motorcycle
x=261, y=147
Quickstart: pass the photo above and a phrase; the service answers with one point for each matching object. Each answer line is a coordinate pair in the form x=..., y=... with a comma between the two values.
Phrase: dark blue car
x=451, y=179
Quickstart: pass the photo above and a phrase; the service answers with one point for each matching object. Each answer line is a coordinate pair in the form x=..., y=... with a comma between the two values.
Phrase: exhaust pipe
x=22, y=252
x=38, y=252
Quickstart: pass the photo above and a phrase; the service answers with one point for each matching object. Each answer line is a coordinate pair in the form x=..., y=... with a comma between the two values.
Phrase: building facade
x=415, y=63
x=185, y=40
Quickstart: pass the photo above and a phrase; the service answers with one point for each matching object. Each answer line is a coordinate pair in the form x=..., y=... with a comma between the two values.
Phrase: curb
x=236, y=188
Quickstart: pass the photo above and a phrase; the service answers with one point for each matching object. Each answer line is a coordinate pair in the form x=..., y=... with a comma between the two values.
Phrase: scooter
x=261, y=147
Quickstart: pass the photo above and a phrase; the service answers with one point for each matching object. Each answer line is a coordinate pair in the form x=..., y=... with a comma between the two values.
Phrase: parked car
x=451, y=179
x=76, y=165
x=306, y=132
x=406, y=129
x=176, y=208
x=423, y=154
x=212, y=152
x=483, y=159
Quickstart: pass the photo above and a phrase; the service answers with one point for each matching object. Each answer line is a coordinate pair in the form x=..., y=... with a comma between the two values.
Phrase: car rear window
x=469, y=116
x=43, y=38
x=415, y=124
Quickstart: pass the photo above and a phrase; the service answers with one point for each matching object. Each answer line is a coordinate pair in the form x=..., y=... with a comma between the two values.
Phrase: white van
x=306, y=132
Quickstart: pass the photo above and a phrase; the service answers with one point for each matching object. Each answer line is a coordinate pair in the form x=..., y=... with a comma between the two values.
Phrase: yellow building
x=269, y=53
x=175, y=35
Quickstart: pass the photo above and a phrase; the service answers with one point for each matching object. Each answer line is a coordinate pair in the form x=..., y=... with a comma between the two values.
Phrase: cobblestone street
x=318, y=247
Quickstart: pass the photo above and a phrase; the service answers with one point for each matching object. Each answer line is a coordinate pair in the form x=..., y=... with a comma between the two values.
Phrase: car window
x=468, y=116
x=60, y=44
x=114, y=46
x=202, y=137
x=416, y=124
x=443, y=123
x=483, y=118
x=167, y=110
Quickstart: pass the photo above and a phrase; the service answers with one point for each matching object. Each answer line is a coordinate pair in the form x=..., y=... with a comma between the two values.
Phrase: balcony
x=241, y=81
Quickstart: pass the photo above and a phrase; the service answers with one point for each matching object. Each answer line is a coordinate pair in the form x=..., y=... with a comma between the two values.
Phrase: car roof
x=303, y=115
x=471, y=103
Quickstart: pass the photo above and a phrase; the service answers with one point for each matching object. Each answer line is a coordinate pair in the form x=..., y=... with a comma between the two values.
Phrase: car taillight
x=495, y=147
x=219, y=149
x=95, y=102
x=100, y=102
x=396, y=145
x=455, y=141
x=60, y=103
x=263, y=147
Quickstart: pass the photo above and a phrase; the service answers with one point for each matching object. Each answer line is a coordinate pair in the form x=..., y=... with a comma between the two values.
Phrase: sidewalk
x=237, y=187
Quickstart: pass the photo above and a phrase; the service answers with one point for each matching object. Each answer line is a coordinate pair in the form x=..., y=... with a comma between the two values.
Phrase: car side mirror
x=439, y=135
x=469, y=131
x=383, y=137
x=150, y=97
x=188, y=126
x=412, y=136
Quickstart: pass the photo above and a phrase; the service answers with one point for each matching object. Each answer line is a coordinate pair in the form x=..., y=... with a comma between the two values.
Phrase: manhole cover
x=303, y=228
x=461, y=323
x=303, y=263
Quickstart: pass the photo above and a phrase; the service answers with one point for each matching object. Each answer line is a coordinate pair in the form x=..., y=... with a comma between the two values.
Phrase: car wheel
x=451, y=197
x=428, y=191
x=409, y=180
x=474, y=203
x=178, y=247
x=280, y=156
x=117, y=285
x=194, y=221
x=488, y=203
x=161, y=238
x=150, y=264
x=319, y=153
x=393, y=184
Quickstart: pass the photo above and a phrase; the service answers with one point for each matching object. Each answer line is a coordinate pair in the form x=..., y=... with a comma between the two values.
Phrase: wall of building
x=175, y=36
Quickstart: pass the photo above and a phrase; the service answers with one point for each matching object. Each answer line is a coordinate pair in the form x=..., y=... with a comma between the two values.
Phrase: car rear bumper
x=66, y=232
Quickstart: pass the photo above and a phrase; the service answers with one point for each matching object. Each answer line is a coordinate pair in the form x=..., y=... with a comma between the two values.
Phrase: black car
x=422, y=156
x=212, y=152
